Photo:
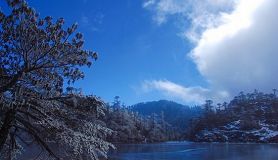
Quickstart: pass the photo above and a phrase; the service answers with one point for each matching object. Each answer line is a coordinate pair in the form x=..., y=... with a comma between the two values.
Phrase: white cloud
x=196, y=95
x=164, y=8
x=241, y=53
x=200, y=13
x=148, y=3
x=235, y=41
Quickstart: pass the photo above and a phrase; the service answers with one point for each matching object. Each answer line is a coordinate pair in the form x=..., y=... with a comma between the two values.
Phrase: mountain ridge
x=176, y=114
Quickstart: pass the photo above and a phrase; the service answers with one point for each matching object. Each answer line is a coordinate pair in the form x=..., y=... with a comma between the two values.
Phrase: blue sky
x=171, y=49
x=131, y=47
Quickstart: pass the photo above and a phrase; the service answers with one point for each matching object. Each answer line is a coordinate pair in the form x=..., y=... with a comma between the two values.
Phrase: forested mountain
x=176, y=114
x=251, y=117
x=149, y=122
x=130, y=127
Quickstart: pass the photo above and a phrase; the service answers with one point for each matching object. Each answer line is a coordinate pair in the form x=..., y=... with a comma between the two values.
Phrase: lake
x=195, y=151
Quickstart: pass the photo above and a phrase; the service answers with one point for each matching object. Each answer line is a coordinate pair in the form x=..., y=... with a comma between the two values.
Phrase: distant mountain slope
x=176, y=114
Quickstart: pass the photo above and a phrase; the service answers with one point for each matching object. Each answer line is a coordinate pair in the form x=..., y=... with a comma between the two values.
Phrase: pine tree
x=37, y=55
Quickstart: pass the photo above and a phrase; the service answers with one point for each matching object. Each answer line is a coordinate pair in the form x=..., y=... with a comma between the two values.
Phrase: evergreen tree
x=37, y=55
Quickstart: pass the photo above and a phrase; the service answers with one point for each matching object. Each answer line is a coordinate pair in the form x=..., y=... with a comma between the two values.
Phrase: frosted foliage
x=78, y=130
x=84, y=136
x=37, y=56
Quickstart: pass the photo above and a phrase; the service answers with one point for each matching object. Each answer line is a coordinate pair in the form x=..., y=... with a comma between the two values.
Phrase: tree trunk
x=5, y=128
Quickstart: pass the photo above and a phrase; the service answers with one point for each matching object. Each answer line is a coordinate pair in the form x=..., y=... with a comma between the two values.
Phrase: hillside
x=176, y=114
x=251, y=117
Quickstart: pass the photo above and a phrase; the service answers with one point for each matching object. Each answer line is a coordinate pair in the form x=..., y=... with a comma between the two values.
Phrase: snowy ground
x=232, y=133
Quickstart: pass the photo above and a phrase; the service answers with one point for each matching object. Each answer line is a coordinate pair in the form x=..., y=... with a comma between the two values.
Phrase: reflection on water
x=195, y=151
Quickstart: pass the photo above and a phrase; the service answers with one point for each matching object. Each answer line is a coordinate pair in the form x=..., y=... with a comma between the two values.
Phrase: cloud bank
x=235, y=43
x=191, y=95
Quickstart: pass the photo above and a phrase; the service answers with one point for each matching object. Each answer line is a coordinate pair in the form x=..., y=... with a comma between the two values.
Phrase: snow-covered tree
x=130, y=127
x=37, y=55
x=250, y=117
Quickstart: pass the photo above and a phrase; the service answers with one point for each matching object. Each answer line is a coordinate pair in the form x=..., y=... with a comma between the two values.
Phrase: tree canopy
x=37, y=56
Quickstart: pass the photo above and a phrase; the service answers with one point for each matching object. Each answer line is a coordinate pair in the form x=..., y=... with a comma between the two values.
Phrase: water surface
x=195, y=151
